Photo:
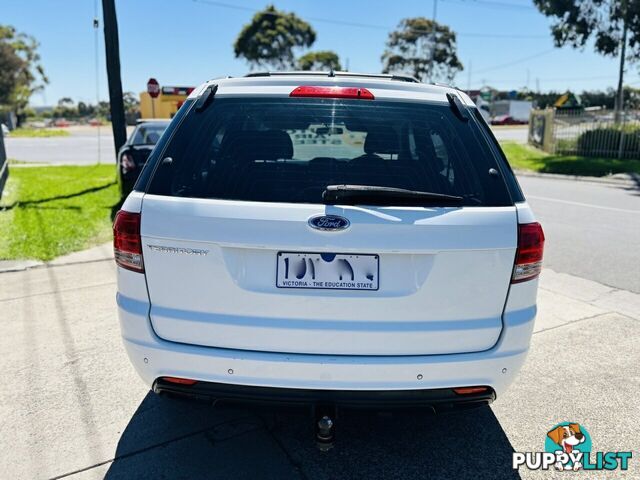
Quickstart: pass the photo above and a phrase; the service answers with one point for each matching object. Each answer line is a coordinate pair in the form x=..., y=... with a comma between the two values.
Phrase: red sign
x=153, y=88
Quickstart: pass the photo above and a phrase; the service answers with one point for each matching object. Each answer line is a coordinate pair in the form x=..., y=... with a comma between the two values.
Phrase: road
x=592, y=229
x=86, y=146
x=511, y=133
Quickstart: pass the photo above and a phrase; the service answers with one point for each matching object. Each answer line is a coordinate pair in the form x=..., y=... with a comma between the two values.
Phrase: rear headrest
x=382, y=141
x=152, y=137
x=257, y=145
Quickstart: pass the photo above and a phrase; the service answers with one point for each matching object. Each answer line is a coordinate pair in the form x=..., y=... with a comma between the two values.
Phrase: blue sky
x=185, y=42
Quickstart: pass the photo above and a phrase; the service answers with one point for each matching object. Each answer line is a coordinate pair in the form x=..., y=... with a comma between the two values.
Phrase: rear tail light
x=127, y=244
x=180, y=381
x=470, y=390
x=126, y=163
x=332, y=92
x=529, y=255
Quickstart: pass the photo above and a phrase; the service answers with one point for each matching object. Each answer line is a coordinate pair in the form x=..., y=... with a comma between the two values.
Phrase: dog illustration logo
x=568, y=437
x=567, y=446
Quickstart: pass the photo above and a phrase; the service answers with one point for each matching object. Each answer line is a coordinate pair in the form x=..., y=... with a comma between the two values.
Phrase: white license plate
x=332, y=271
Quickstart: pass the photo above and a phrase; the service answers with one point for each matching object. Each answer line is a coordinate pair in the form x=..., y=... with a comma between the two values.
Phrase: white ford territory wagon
x=328, y=238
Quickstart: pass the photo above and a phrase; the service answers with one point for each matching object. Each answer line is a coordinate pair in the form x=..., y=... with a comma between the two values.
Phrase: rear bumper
x=437, y=399
x=153, y=357
x=495, y=369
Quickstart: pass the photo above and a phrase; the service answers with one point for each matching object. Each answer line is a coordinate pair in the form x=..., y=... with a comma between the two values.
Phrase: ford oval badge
x=329, y=222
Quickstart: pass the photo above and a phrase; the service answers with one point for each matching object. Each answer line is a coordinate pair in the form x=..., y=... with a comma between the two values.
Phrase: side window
x=503, y=165
x=149, y=168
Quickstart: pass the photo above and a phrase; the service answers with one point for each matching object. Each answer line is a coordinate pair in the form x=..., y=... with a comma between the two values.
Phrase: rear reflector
x=470, y=390
x=127, y=244
x=529, y=255
x=181, y=381
x=332, y=92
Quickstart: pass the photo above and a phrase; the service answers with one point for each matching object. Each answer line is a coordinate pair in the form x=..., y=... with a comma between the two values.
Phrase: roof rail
x=382, y=76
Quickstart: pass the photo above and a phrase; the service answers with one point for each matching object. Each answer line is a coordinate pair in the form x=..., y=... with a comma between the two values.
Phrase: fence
x=586, y=133
x=4, y=164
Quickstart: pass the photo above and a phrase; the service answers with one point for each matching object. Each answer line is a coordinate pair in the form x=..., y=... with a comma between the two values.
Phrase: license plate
x=329, y=271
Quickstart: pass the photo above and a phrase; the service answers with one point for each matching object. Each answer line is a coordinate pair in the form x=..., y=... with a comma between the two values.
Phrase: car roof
x=382, y=86
x=163, y=121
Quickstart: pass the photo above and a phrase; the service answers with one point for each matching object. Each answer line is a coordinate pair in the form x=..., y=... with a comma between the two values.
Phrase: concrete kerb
x=102, y=252
x=630, y=180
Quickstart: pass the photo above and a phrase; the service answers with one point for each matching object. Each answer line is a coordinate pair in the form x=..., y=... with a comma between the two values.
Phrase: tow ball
x=325, y=426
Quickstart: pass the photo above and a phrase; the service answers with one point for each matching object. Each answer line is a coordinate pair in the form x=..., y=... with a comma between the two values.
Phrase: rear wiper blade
x=374, y=195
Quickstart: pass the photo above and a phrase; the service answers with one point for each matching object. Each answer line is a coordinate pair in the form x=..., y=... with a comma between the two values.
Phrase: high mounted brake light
x=528, y=264
x=127, y=243
x=332, y=92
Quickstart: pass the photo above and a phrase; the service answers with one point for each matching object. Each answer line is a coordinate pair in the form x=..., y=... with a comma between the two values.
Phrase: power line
x=495, y=4
x=515, y=62
x=557, y=79
x=343, y=23
x=502, y=35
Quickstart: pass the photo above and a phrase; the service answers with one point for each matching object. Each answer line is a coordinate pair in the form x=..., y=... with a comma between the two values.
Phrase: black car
x=134, y=153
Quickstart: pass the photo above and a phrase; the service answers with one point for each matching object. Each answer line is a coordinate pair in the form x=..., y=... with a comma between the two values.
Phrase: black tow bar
x=325, y=427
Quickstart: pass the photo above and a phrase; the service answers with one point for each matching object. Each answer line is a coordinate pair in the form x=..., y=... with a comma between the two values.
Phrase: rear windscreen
x=291, y=149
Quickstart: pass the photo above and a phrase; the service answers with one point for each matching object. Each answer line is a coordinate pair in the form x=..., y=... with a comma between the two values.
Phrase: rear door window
x=291, y=149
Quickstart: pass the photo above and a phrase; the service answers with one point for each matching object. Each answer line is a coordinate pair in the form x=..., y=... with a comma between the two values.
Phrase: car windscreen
x=148, y=134
x=291, y=149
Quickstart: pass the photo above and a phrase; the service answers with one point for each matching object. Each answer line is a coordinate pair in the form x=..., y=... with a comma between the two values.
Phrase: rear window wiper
x=374, y=195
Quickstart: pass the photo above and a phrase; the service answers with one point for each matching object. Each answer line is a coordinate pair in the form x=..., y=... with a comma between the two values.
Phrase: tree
x=271, y=37
x=131, y=103
x=21, y=73
x=320, y=60
x=103, y=109
x=85, y=109
x=422, y=48
x=66, y=102
x=66, y=108
x=613, y=24
x=10, y=64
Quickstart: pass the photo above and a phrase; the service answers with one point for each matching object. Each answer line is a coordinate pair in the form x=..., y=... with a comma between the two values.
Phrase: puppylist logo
x=568, y=447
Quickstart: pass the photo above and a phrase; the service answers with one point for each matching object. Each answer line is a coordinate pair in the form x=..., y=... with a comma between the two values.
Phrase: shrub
x=605, y=142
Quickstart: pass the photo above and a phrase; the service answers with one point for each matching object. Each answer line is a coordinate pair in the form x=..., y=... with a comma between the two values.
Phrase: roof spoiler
x=331, y=73
x=206, y=97
x=458, y=107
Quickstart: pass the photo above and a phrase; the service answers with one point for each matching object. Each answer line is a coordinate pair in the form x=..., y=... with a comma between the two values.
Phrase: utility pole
x=469, y=77
x=433, y=41
x=623, y=48
x=112, y=49
x=96, y=38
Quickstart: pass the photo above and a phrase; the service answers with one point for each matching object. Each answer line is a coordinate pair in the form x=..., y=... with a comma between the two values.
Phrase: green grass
x=38, y=133
x=46, y=212
x=529, y=158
